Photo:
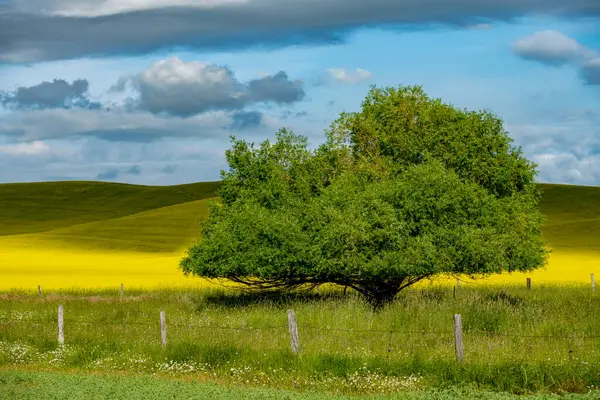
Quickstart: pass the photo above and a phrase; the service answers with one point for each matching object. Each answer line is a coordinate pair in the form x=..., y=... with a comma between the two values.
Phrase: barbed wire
x=301, y=326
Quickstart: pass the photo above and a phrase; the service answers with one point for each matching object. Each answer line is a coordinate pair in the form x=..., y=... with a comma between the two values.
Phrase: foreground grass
x=51, y=385
x=518, y=341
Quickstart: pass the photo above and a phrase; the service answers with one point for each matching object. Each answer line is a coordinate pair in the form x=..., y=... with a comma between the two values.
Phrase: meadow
x=543, y=340
x=81, y=240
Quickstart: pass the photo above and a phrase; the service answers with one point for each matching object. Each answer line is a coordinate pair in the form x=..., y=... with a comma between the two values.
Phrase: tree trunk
x=380, y=295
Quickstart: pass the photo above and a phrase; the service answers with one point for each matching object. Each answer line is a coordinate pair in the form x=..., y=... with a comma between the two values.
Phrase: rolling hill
x=44, y=206
x=573, y=217
x=114, y=216
x=91, y=234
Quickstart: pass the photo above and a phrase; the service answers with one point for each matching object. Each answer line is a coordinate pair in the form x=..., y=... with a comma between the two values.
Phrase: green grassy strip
x=65, y=386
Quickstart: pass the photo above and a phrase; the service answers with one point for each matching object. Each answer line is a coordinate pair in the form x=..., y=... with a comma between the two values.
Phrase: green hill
x=40, y=207
x=165, y=229
x=573, y=217
x=110, y=216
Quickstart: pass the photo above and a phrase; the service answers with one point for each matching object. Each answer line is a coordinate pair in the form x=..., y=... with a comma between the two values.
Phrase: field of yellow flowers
x=93, y=235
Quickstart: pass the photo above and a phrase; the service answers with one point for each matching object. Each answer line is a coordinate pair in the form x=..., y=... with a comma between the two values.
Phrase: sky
x=150, y=91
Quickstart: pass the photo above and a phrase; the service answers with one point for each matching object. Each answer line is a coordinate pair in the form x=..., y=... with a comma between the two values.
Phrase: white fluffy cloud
x=25, y=149
x=567, y=151
x=550, y=47
x=554, y=48
x=350, y=77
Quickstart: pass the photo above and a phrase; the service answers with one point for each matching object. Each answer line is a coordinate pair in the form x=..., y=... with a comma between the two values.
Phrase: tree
x=407, y=189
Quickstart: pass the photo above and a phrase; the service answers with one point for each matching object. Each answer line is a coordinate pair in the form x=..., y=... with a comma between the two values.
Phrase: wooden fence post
x=163, y=329
x=593, y=283
x=122, y=291
x=458, y=338
x=528, y=283
x=458, y=283
x=40, y=293
x=293, y=331
x=61, y=325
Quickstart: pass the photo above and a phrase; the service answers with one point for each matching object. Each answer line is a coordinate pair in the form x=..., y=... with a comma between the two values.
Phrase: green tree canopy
x=407, y=189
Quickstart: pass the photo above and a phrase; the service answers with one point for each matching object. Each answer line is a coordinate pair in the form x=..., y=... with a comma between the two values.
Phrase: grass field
x=45, y=385
x=516, y=340
x=80, y=240
x=94, y=235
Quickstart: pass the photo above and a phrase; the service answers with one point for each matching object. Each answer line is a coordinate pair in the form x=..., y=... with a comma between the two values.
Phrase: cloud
x=550, y=47
x=566, y=147
x=590, y=72
x=242, y=120
x=350, y=77
x=169, y=169
x=109, y=175
x=94, y=8
x=479, y=27
x=124, y=126
x=133, y=170
x=36, y=30
x=294, y=114
x=56, y=94
x=113, y=173
x=275, y=88
x=554, y=48
x=174, y=87
x=25, y=149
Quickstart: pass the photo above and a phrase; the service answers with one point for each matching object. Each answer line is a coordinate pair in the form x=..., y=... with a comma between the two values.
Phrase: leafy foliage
x=407, y=189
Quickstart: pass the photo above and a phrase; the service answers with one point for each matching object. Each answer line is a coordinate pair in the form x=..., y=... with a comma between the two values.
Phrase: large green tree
x=407, y=189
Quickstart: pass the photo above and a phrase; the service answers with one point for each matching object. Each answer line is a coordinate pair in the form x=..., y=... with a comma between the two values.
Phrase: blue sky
x=133, y=91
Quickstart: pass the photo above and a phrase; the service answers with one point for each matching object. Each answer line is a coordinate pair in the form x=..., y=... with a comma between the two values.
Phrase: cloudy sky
x=149, y=91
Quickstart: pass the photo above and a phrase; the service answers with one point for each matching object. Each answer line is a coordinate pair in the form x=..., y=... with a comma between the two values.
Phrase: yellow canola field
x=24, y=266
x=563, y=267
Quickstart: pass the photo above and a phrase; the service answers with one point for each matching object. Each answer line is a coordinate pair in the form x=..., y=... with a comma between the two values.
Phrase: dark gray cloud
x=114, y=173
x=109, y=175
x=275, y=88
x=119, y=126
x=590, y=72
x=242, y=120
x=174, y=87
x=76, y=28
x=56, y=94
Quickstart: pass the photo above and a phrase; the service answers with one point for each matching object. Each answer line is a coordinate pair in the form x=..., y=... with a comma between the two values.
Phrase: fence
x=295, y=337
x=453, y=336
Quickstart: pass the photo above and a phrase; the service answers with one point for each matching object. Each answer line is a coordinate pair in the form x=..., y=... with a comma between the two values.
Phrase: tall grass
x=516, y=340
